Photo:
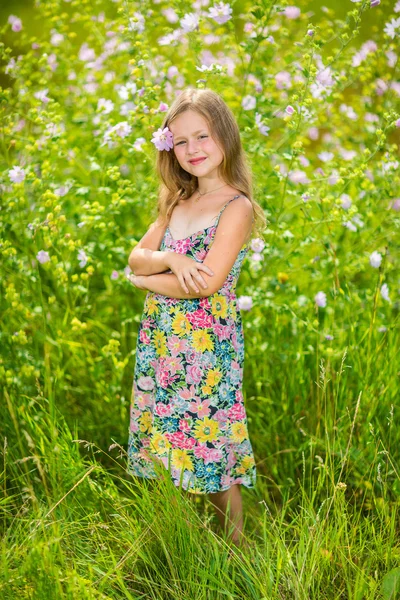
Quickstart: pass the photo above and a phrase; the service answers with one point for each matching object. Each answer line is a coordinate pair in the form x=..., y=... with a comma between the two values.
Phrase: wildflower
x=15, y=22
x=341, y=486
x=350, y=225
x=325, y=156
x=320, y=299
x=221, y=13
x=310, y=32
x=245, y=302
x=125, y=91
x=114, y=274
x=263, y=129
x=43, y=256
x=56, y=38
x=122, y=129
x=375, y=3
x=104, y=105
x=257, y=245
x=137, y=144
x=256, y=257
x=302, y=300
x=385, y=292
x=396, y=204
x=291, y=12
x=298, y=176
x=137, y=22
x=289, y=110
x=397, y=7
x=397, y=123
x=249, y=102
x=283, y=277
x=392, y=27
x=190, y=22
x=375, y=259
x=346, y=201
x=16, y=174
x=82, y=258
x=329, y=337
x=42, y=95
x=283, y=80
x=163, y=139
x=86, y=53
x=313, y=133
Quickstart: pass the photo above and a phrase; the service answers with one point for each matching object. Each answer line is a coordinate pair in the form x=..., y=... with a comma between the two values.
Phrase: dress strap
x=225, y=205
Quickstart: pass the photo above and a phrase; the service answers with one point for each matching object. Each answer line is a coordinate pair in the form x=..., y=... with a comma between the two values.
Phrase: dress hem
x=248, y=484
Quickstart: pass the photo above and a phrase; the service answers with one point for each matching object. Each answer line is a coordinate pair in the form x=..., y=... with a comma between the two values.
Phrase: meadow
x=315, y=88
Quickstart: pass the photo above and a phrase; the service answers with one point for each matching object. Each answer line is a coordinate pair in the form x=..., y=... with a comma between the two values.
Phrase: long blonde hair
x=177, y=184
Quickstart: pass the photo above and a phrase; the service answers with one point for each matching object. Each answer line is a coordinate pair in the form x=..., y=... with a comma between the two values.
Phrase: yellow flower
x=202, y=340
x=159, y=443
x=181, y=325
x=206, y=389
x=247, y=462
x=239, y=432
x=219, y=306
x=283, y=277
x=206, y=430
x=151, y=305
x=213, y=376
x=159, y=341
x=181, y=460
x=146, y=421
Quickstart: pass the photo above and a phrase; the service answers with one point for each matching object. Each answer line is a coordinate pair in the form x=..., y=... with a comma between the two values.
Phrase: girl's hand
x=137, y=280
x=187, y=271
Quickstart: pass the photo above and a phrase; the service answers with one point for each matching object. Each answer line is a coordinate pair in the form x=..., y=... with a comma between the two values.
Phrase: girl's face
x=192, y=139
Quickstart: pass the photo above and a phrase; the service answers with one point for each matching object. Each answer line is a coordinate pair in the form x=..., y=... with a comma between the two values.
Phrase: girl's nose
x=192, y=146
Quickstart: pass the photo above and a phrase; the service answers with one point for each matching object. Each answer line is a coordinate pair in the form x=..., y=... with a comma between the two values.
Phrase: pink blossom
x=221, y=13
x=43, y=256
x=320, y=299
x=15, y=22
x=292, y=12
x=163, y=139
x=245, y=302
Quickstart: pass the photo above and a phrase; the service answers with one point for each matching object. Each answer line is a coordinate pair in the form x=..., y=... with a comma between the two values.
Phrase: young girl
x=187, y=409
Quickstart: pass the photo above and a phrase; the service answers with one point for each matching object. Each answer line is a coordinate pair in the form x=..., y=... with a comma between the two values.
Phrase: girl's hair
x=177, y=184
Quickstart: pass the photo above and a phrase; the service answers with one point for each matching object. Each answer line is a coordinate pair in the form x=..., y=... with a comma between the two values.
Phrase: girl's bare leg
x=230, y=500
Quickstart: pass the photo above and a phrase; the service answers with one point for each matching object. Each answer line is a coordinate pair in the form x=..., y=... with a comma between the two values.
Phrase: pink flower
x=16, y=174
x=221, y=13
x=245, y=302
x=43, y=256
x=163, y=139
x=291, y=12
x=289, y=110
x=15, y=22
x=320, y=299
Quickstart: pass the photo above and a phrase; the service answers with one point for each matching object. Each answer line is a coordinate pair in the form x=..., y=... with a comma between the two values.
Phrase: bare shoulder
x=241, y=206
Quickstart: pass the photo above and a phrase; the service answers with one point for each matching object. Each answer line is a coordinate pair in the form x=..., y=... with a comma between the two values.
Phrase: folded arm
x=145, y=258
x=232, y=233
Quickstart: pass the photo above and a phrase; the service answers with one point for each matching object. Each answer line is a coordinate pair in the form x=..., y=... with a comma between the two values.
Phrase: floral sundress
x=187, y=410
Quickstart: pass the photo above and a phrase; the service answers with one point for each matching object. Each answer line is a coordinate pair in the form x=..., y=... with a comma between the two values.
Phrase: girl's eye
x=202, y=136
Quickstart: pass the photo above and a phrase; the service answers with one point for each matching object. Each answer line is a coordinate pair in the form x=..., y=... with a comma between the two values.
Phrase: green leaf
x=390, y=589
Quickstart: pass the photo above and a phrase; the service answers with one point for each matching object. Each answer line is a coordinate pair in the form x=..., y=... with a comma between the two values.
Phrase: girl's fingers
x=205, y=268
x=191, y=283
x=182, y=282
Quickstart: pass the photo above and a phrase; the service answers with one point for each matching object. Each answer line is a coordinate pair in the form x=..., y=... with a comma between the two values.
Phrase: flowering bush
x=318, y=112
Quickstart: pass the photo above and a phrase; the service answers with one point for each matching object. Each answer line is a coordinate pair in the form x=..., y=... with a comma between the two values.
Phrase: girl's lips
x=197, y=162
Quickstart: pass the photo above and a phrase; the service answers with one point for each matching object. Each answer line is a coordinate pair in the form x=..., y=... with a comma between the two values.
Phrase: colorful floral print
x=187, y=410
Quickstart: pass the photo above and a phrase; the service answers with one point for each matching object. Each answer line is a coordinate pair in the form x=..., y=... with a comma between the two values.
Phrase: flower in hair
x=163, y=139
